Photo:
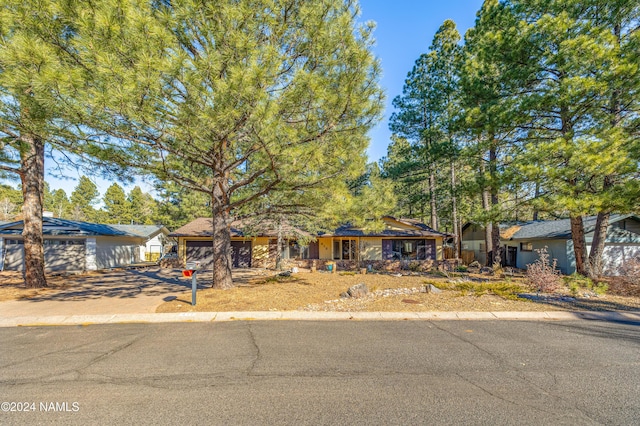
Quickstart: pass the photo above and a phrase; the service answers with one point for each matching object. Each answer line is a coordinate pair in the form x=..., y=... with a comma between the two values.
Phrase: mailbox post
x=192, y=271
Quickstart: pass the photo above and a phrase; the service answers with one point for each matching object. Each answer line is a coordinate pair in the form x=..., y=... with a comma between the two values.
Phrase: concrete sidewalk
x=626, y=317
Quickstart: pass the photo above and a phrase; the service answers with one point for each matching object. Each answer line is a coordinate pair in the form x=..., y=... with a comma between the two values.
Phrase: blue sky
x=404, y=30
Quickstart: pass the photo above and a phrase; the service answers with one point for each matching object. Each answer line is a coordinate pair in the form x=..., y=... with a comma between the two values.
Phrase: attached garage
x=202, y=251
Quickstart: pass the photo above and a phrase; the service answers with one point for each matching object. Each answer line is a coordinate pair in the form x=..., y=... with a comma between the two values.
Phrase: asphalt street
x=330, y=372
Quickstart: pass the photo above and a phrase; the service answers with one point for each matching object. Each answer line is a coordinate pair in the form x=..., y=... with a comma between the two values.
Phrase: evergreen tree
x=258, y=105
x=83, y=198
x=144, y=208
x=178, y=206
x=10, y=202
x=117, y=208
x=30, y=71
x=59, y=204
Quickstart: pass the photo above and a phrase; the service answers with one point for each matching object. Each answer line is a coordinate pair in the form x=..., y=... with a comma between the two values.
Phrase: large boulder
x=358, y=290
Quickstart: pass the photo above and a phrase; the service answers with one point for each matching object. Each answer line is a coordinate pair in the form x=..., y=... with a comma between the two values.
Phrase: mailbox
x=191, y=269
x=193, y=266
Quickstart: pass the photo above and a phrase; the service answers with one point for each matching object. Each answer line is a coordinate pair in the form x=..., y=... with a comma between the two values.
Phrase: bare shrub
x=542, y=274
x=630, y=271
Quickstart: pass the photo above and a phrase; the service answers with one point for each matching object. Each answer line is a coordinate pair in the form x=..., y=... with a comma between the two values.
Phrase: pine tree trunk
x=432, y=196
x=454, y=211
x=488, y=227
x=536, y=212
x=597, y=245
x=579, y=245
x=32, y=178
x=280, y=246
x=495, y=229
x=222, y=260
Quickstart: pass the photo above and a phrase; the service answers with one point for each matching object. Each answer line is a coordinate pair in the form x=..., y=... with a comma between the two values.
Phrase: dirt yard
x=320, y=291
x=260, y=290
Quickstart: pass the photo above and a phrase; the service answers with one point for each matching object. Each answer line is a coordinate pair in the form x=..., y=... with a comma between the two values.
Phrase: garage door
x=64, y=255
x=13, y=255
x=59, y=255
x=202, y=251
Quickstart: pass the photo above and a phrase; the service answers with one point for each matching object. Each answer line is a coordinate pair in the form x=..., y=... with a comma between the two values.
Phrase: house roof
x=54, y=226
x=416, y=229
x=145, y=231
x=203, y=227
x=555, y=229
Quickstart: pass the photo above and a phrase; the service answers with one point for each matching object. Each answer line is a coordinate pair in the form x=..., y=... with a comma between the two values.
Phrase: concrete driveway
x=130, y=291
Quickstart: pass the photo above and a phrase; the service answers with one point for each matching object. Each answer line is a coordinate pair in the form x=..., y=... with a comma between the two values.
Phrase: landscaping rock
x=285, y=274
x=430, y=288
x=475, y=264
x=358, y=290
x=487, y=270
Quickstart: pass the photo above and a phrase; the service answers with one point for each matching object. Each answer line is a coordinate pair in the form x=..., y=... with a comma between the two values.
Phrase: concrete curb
x=33, y=321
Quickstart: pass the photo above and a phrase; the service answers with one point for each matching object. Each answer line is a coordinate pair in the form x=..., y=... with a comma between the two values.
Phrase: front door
x=512, y=253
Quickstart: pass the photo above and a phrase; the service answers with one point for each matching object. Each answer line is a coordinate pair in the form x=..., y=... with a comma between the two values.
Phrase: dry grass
x=320, y=291
x=12, y=286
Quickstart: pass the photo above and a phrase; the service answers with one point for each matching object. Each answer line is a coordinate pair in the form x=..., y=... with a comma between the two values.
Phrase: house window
x=296, y=251
x=409, y=250
x=344, y=250
x=63, y=242
x=526, y=246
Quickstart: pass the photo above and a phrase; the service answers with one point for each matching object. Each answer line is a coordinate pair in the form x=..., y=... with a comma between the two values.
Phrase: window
x=526, y=246
x=409, y=250
x=344, y=249
x=296, y=251
x=51, y=242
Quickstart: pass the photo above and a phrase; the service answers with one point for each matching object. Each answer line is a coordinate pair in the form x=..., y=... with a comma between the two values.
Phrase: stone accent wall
x=376, y=265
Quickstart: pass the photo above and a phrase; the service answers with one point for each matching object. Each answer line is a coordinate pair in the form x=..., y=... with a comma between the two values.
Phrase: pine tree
x=116, y=206
x=83, y=198
x=144, y=208
x=59, y=204
x=258, y=105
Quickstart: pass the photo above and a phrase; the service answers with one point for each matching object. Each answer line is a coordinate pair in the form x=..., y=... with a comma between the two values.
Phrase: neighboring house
x=400, y=240
x=72, y=246
x=156, y=239
x=520, y=242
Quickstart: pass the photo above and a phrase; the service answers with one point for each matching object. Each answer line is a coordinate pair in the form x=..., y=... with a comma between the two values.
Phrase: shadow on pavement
x=130, y=283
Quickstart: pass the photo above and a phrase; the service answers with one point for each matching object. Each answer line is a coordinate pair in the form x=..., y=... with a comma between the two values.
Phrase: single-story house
x=72, y=246
x=400, y=240
x=520, y=242
x=156, y=239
